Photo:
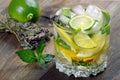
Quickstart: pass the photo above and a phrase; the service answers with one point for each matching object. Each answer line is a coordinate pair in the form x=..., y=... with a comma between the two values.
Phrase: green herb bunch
x=32, y=56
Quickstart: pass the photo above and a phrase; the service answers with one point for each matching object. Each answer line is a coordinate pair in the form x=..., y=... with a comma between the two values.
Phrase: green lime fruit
x=24, y=10
x=84, y=41
x=97, y=38
x=84, y=22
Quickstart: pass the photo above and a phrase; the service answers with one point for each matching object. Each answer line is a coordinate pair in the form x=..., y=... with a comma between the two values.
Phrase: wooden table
x=12, y=68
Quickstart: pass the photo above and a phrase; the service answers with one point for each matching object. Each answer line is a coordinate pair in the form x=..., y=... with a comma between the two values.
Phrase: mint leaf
x=40, y=47
x=41, y=61
x=27, y=55
x=108, y=30
x=91, y=35
x=105, y=29
x=48, y=57
x=106, y=23
x=63, y=44
x=82, y=63
x=106, y=18
x=66, y=12
x=31, y=56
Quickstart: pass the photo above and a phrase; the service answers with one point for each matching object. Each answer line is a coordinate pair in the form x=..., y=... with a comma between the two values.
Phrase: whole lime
x=24, y=10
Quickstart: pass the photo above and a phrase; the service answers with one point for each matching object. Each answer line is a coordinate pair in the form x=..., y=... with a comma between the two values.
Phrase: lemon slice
x=64, y=53
x=85, y=22
x=99, y=39
x=65, y=37
x=99, y=56
x=102, y=55
x=84, y=41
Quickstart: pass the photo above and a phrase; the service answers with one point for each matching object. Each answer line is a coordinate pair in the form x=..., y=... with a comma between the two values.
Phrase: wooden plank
x=112, y=72
x=11, y=67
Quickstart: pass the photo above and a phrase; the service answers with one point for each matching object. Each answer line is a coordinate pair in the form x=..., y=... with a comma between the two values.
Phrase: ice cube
x=78, y=9
x=94, y=11
x=64, y=19
x=58, y=12
x=72, y=14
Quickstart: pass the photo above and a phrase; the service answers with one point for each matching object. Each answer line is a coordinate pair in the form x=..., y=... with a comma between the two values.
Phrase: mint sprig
x=27, y=55
x=105, y=29
x=66, y=12
x=63, y=44
x=40, y=47
x=48, y=57
x=82, y=63
x=106, y=23
x=32, y=56
x=41, y=62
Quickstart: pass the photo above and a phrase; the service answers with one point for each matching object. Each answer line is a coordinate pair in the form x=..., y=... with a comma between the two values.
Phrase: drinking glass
x=81, y=40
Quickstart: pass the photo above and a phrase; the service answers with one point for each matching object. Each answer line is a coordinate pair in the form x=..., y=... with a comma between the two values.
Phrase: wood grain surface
x=12, y=68
x=113, y=70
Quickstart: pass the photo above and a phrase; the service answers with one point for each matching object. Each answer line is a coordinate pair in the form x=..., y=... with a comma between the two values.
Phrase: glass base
x=81, y=71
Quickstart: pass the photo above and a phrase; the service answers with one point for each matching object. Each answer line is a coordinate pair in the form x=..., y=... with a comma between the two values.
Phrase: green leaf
x=41, y=61
x=108, y=30
x=106, y=18
x=48, y=57
x=91, y=35
x=82, y=63
x=66, y=12
x=105, y=29
x=63, y=44
x=40, y=47
x=27, y=55
x=106, y=23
